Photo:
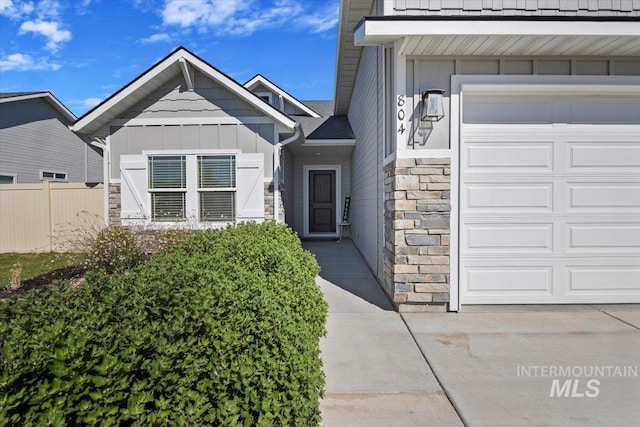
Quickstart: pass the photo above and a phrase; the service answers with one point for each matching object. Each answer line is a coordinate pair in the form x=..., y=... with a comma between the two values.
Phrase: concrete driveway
x=536, y=366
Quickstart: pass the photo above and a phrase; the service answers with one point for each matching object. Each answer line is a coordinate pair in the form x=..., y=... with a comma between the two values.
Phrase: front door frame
x=305, y=200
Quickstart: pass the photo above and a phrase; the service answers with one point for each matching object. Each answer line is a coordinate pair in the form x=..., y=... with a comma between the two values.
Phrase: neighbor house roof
x=327, y=125
x=260, y=79
x=174, y=63
x=6, y=97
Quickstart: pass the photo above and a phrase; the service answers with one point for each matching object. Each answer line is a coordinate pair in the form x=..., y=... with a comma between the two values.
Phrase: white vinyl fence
x=51, y=216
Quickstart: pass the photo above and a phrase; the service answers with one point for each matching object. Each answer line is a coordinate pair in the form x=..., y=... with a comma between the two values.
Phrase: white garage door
x=549, y=199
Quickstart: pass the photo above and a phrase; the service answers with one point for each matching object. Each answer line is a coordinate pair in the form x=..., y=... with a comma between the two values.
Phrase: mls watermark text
x=577, y=380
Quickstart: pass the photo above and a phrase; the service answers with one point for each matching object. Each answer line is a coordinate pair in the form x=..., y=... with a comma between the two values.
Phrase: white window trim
x=305, y=202
x=521, y=83
x=55, y=172
x=11, y=175
x=192, y=212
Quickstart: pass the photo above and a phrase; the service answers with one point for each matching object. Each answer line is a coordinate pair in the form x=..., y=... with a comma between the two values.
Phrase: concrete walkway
x=375, y=373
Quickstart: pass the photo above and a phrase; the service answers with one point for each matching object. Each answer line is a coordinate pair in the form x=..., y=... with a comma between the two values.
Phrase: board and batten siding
x=248, y=138
x=432, y=72
x=366, y=115
x=34, y=137
x=209, y=101
x=607, y=8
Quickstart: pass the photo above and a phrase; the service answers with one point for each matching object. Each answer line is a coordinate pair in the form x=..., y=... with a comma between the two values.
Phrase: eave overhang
x=504, y=36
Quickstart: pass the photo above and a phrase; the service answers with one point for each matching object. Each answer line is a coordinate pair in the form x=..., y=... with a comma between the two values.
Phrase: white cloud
x=50, y=29
x=87, y=102
x=15, y=9
x=155, y=38
x=232, y=17
x=23, y=62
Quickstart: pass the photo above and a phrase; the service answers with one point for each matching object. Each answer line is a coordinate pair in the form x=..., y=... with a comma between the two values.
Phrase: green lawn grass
x=33, y=265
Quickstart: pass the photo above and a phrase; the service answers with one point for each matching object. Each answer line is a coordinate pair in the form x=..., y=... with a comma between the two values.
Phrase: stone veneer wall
x=268, y=202
x=115, y=206
x=417, y=233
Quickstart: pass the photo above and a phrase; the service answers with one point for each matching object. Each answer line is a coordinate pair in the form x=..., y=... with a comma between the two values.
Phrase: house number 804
x=401, y=114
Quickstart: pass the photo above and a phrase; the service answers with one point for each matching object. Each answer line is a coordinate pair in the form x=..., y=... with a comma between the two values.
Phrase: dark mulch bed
x=66, y=275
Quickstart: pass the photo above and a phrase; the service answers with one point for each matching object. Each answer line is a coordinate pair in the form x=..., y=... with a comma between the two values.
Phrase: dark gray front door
x=322, y=201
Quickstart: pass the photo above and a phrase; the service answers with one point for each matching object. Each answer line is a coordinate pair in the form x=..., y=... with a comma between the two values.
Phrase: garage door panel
x=508, y=156
x=620, y=237
x=608, y=156
x=509, y=197
x=517, y=279
x=482, y=237
x=603, y=196
x=549, y=213
x=621, y=278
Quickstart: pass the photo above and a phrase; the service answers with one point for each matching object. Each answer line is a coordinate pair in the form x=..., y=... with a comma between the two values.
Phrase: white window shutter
x=133, y=187
x=250, y=187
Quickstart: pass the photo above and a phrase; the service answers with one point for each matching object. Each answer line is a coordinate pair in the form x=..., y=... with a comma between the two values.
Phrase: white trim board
x=305, y=198
x=260, y=79
x=176, y=121
x=500, y=83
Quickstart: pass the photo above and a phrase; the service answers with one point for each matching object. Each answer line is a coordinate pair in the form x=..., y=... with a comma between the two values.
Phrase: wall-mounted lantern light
x=432, y=106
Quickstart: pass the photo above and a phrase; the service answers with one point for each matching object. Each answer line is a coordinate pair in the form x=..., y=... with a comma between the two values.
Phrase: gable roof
x=326, y=126
x=260, y=79
x=162, y=71
x=6, y=97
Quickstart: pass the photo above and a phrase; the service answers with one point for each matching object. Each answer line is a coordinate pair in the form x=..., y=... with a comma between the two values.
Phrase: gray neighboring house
x=519, y=185
x=36, y=143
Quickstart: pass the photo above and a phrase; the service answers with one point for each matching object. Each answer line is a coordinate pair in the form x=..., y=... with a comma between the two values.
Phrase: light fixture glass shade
x=432, y=105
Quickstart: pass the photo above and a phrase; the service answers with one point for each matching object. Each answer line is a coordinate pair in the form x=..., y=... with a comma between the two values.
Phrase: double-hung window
x=168, y=187
x=217, y=188
x=192, y=186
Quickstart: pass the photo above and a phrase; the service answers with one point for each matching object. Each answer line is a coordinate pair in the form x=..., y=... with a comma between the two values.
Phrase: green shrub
x=222, y=330
x=114, y=249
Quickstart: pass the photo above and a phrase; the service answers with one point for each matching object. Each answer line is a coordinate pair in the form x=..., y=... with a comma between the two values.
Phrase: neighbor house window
x=217, y=188
x=53, y=176
x=168, y=187
x=7, y=179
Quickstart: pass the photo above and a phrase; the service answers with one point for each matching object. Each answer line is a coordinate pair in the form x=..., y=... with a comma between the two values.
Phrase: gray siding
x=298, y=191
x=289, y=179
x=208, y=99
x=366, y=118
x=434, y=72
x=609, y=8
x=34, y=136
x=289, y=108
x=249, y=138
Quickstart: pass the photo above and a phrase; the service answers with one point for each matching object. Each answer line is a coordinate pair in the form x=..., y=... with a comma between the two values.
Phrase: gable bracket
x=187, y=72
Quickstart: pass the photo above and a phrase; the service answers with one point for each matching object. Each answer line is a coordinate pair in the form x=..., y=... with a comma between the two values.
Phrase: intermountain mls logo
x=576, y=381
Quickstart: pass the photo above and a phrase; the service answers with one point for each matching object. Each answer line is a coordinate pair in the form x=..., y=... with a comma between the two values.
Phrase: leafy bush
x=222, y=330
x=114, y=249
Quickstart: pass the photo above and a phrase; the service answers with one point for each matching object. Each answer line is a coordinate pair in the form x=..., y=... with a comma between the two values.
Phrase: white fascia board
x=203, y=67
x=52, y=99
x=377, y=32
x=329, y=142
x=260, y=79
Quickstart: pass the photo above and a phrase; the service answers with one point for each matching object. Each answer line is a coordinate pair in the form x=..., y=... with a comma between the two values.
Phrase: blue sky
x=85, y=50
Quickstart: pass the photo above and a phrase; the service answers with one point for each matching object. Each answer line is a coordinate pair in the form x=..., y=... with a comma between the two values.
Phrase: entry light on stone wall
x=432, y=105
